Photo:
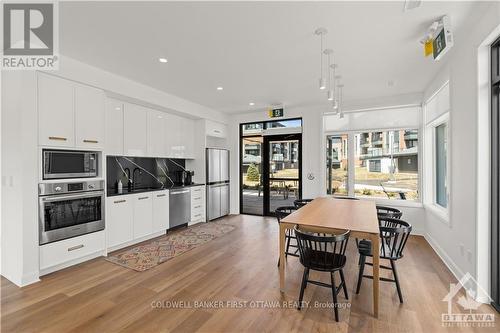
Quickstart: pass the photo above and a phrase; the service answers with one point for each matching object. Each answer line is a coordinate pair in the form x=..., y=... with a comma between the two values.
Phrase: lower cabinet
x=133, y=218
x=198, y=207
x=57, y=255
x=160, y=211
x=143, y=214
x=119, y=220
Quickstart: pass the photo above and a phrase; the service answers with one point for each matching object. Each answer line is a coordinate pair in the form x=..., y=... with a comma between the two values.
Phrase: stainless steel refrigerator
x=217, y=183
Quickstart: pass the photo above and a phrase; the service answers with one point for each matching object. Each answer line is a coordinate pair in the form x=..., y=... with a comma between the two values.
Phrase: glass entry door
x=282, y=171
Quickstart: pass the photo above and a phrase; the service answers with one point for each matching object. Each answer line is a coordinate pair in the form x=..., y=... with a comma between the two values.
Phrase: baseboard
x=445, y=258
x=418, y=232
x=135, y=241
x=30, y=278
x=25, y=280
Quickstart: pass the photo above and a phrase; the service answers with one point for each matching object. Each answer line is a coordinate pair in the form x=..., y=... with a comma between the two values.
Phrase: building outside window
x=387, y=165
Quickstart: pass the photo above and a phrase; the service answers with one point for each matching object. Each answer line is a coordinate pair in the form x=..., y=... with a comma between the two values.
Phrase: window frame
x=443, y=212
x=351, y=154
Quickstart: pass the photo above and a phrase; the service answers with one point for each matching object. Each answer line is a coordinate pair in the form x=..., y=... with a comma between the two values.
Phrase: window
x=441, y=140
x=336, y=164
x=386, y=164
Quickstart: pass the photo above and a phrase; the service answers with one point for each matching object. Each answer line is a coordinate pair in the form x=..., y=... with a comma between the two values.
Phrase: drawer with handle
x=57, y=253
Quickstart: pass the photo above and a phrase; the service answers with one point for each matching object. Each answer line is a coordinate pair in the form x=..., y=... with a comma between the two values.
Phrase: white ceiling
x=259, y=52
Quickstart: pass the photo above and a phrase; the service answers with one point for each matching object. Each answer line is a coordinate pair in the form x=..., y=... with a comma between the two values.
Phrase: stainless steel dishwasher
x=179, y=207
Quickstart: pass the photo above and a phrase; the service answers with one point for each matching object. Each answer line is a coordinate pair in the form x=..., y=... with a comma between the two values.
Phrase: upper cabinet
x=56, y=117
x=69, y=114
x=114, y=127
x=179, y=137
x=215, y=129
x=157, y=146
x=89, y=117
x=135, y=130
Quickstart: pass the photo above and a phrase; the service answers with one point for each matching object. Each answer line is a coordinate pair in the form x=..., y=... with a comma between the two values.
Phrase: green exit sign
x=276, y=113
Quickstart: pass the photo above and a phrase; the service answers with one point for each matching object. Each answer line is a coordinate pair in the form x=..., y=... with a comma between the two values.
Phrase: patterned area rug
x=148, y=255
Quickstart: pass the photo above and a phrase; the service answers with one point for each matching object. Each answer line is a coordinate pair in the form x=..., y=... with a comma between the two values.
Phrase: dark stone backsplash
x=114, y=172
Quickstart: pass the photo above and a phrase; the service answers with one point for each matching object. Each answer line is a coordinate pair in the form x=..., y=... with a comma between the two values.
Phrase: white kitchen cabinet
x=157, y=146
x=215, y=129
x=173, y=136
x=198, y=198
x=114, y=127
x=56, y=122
x=160, y=210
x=188, y=137
x=56, y=254
x=143, y=214
x=119, y=220
x=135, y=130
x=89, y=117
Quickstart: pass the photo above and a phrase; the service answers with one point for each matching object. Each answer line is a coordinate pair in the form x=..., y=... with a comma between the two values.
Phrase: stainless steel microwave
x=61, y=164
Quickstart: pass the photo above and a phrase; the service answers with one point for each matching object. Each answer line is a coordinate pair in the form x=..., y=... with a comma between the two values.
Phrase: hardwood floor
x=99, y=296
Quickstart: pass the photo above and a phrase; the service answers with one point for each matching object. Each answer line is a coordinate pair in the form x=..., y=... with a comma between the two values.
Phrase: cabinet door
x=135, y=130
x=173, y=134
x=55, y=112
x=160, y=211
x=143, y=214
x=215, y=129
x=119, y=220
x=114, y=127
x=187, y=137
x=90, y=118
x=156, y=134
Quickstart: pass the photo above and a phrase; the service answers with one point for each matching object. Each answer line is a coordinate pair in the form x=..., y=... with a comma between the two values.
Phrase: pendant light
x=328, y=53
x=340, y=106
x=336, y=103
x=322, y=82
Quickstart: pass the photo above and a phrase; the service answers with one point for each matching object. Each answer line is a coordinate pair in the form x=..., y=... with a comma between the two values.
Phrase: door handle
x=58, y=138
x=90, y=141
x=119, y=201
x=142, y=198
x=75, y=247
x=160, y=195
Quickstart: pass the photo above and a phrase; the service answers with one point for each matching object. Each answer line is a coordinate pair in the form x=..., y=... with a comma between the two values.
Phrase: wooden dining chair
x=393, y=236
x=384, y=211
x=299, y=203
x=281, y=213
x=324, y=254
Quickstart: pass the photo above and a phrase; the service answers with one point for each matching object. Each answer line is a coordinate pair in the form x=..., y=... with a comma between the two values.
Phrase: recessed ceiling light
x=164, y=60
x=251, y=103
x=220, y=88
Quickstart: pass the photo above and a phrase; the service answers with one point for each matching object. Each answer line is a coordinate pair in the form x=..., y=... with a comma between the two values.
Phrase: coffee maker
x=185, y=177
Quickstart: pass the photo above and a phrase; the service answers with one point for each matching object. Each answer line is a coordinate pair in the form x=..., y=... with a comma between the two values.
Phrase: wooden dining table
x=330, y=215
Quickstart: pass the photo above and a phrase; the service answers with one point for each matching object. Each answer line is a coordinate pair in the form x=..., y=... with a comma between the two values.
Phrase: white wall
x=19, y=214
x=461, y=70
x=19, y=144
